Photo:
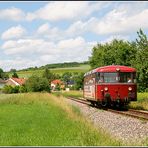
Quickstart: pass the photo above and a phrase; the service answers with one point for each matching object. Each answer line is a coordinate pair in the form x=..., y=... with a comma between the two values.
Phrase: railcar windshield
x=127, y=77
x=116, y=77
x=108, y=77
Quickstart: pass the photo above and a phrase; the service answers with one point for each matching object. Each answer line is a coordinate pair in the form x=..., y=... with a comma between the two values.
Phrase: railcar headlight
x=130, y=89
x=117, y=69
x=106, y=88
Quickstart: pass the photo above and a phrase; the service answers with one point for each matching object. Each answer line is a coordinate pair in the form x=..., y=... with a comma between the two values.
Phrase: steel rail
x=140, y=114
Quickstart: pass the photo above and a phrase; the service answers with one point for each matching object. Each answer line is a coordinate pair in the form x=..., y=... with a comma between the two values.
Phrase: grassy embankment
x=43, y=119
x=141, y=103
x=60, y=71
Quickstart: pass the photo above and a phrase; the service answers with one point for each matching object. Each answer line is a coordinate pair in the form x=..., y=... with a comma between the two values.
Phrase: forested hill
x=57, y=65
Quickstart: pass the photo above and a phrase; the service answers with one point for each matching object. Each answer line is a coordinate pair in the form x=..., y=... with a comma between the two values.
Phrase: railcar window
x=134, y=78
x=125, y=77
x=89, y=80
x=99, y=77
x=110, y=77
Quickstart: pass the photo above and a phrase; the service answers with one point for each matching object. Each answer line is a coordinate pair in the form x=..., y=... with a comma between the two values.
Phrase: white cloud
x=119, y=22
x=13, y=33
x=25, y=46
x=17, y=63
x=115, y=22
x=65, y=10
x=43, y=29
x=76, y=49
x=14, y=14
x=112, y=37
x=52, y=33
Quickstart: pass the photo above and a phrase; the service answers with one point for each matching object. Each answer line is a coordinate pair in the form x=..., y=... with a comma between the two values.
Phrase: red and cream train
x=113, y=85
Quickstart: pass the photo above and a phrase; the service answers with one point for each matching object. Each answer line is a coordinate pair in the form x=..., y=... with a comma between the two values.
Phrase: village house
x=15, y=81
x=54, y=83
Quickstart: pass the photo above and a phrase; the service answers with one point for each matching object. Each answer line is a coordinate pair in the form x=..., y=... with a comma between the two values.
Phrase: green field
x=60, y=71
x=141, y=103
x=41, y=119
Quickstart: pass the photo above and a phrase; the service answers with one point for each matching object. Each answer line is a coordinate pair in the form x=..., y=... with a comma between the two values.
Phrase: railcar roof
x=111, y=68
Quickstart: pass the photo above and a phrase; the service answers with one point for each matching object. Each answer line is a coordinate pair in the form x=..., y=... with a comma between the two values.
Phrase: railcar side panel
x=89, y=92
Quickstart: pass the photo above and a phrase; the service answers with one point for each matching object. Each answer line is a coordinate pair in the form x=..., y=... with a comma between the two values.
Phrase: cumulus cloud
x=17, y=63
x=23, y=46
x=112, y=37
x=13, y=13
x=117, y=21
x=43, y=28
x=69, y=49
x=13, y=33
x=52, y=33
x=65, y=10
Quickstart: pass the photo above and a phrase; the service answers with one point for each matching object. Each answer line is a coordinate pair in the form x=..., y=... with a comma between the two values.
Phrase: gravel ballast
x=127, y=129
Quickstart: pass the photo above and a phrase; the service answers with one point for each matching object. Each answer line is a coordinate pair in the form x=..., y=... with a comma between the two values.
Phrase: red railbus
x=110, y=85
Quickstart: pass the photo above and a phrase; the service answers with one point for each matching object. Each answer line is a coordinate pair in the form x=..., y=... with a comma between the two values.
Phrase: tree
x=141, y=62
x=49, y=75
x=78, y=80
x=66, y=77
x=117, y=52
x=3, y=75
x=12, y=70
x=1, y=72
x=37, y=84
x=22, y=89
x=14, y=75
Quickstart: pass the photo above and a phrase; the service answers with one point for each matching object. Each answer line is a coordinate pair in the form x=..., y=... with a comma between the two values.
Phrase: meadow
x=141, y=103
x=60, y=71
x=42, y=119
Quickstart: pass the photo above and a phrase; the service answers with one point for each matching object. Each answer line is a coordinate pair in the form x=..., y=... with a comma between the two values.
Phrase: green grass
x=141, y=103
x=60, y=71
x=71, y=93
x=41, y=119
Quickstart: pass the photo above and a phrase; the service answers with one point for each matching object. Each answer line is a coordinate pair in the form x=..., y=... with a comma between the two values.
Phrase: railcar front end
x=111, y=85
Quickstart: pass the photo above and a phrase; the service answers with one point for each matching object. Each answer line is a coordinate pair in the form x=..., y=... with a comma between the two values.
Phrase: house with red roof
x=15, y=81
x=56, y=82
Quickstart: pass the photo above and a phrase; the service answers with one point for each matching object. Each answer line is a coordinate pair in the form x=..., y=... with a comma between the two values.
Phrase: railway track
x=130, y=112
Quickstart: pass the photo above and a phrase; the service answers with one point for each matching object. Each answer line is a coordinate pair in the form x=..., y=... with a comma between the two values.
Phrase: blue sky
x=39, y=33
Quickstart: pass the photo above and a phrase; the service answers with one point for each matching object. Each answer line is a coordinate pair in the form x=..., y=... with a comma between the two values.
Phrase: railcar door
x=98, y=87
x=89, y=87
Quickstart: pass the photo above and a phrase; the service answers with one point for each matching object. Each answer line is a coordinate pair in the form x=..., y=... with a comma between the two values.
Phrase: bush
x=37, y=84
x=22, y=89
x=8, y=89
x=15, y=89
x=58, y=87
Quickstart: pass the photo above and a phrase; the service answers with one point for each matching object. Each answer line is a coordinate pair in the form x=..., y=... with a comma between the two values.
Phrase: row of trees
x=56, y=65
x=120, y=52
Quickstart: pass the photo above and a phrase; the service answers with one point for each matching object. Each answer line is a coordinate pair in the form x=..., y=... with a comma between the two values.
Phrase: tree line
x=56, y=65
x=120, y=52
